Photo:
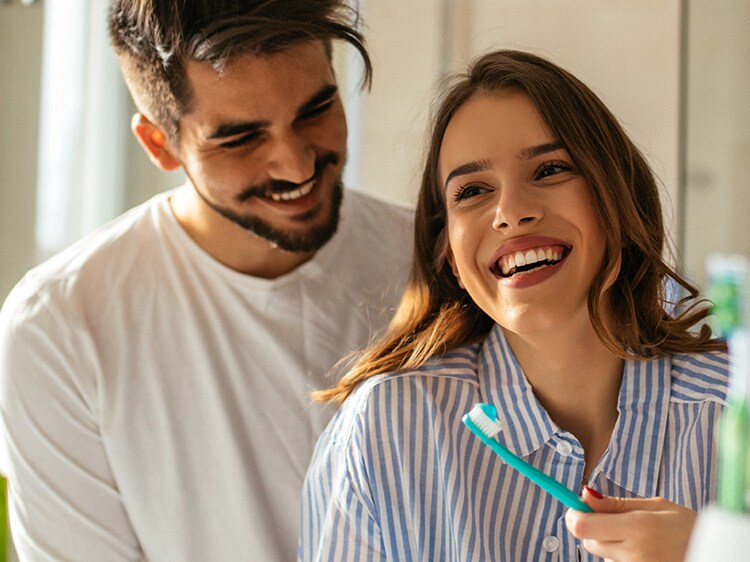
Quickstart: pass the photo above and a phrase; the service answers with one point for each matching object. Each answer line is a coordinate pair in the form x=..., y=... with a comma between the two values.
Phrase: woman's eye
x=467, y=191
x=552, y=168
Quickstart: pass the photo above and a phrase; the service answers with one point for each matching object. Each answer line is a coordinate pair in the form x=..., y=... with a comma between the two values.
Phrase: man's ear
x=452, y=261
x=153, y=141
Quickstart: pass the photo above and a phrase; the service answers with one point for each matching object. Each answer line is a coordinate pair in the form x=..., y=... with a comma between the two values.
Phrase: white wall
x=717, y=194
x=625, y=50
x=20, y=67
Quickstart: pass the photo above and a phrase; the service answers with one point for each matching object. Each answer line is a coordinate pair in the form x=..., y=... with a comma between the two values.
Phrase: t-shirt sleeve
x=63, y=498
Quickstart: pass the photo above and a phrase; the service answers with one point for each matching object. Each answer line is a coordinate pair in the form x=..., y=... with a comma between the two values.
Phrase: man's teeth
x=291, y=195
x=537, y=257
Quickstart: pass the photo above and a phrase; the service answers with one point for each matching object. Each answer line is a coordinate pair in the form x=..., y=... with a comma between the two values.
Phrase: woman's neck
x=577, y=380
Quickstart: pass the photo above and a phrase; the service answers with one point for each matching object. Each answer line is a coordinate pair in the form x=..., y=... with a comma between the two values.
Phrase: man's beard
x=307, y=241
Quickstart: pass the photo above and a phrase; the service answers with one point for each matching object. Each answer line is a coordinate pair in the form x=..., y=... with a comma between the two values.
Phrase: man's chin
x=305, y=236
x=310, y=241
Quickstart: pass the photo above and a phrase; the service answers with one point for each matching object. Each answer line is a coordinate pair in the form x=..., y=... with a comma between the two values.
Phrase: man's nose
x=291, y=158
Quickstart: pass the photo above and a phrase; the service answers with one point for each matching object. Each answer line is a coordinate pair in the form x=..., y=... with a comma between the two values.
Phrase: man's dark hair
x=154, y=38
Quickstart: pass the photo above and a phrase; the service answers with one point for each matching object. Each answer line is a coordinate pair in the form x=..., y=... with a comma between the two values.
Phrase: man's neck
x=230, y=244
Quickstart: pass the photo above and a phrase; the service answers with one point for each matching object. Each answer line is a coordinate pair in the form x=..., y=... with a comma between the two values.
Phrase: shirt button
x=564, y=448
x=550, y=543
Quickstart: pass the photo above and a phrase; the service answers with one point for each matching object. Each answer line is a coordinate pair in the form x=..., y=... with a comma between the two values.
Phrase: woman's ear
x=153, y=141
x=452, y=261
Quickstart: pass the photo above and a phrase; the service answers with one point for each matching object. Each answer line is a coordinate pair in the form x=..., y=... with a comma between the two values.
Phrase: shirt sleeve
x=63, y=499
x=337, y=522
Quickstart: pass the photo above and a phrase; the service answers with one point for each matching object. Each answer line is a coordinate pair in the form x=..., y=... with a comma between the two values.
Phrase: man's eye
x=241, y=141
x=467, y=192
x=318, y=110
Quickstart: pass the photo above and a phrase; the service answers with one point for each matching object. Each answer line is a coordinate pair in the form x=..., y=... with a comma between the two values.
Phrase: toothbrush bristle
x=487, y=425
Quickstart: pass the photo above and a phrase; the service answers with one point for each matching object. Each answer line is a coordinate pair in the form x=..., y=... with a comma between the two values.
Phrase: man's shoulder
x=373, y=228
x=364, y=213
x=110, y=249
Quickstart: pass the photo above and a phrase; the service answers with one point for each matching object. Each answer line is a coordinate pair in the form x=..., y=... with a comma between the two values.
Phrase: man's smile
x=298, y=193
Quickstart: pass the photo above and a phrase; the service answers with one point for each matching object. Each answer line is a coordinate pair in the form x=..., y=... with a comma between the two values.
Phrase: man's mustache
x=283, y=186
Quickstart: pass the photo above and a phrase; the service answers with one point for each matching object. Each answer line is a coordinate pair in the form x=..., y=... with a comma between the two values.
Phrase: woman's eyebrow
x=538, y=150
x=468, y=168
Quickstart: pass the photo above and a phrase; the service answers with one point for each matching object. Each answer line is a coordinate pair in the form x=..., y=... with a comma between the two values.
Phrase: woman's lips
x=522, y=256
x=522, y=261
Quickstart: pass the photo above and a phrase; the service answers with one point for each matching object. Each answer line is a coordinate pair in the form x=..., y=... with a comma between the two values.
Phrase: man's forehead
x=287, y=70
x=285, y=75
x=257, y=91
x=296, y=56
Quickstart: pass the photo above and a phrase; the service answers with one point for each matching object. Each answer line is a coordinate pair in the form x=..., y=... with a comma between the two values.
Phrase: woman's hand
x=632, y=530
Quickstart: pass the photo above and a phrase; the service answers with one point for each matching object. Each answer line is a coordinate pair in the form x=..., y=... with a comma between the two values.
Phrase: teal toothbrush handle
x=538, y=477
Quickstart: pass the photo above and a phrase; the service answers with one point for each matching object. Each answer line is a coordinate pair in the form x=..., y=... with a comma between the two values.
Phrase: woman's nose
x=516, y=207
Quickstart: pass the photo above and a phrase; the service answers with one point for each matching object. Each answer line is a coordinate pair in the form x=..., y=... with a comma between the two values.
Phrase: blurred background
x=675, y=72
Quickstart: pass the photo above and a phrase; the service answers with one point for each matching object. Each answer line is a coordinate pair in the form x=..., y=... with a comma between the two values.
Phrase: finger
x=607, y=504
x=610, y=551
x=606, y=527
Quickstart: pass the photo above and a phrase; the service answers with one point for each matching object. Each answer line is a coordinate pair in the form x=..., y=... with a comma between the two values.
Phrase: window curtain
x=83, y=125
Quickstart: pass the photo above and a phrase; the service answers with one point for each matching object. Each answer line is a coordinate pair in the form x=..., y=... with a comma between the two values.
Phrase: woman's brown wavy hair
x=435, y=315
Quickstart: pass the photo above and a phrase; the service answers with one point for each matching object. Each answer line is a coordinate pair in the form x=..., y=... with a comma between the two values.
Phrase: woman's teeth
x=529, y=259
x=292, y=195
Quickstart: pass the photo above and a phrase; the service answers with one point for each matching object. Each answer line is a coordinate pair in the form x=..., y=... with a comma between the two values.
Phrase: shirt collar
x=633, y=458
x=526, y=425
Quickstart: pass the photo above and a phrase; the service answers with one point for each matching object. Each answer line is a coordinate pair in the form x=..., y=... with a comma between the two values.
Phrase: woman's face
x=524, y=236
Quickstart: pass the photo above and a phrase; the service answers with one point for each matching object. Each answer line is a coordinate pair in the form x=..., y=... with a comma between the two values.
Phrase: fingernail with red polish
x=593, y=492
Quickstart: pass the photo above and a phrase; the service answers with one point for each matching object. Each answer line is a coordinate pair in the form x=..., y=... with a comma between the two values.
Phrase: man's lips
x=528, y=254
x=293, y=195
x=281, y=191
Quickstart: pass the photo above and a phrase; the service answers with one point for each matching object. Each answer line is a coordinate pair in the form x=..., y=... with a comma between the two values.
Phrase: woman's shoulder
x=386, y=393
x=458, y=366
x=700, y=376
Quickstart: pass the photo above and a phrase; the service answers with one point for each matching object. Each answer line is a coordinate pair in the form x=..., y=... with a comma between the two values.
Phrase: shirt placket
x=568, y=467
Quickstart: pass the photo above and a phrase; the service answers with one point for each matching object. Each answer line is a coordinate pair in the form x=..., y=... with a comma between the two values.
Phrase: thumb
x=607, y=504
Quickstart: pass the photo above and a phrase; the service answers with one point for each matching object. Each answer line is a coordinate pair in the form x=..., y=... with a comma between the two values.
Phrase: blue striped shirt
x=397, y=476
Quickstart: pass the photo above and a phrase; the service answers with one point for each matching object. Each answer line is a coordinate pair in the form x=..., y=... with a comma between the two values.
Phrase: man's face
x=264, y=144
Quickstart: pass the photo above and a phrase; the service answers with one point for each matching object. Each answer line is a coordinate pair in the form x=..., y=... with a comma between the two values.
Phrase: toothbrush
x=482, y=421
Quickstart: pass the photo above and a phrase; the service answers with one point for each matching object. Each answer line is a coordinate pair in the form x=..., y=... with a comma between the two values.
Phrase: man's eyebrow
x=538, y=150
x=468, y=168
x=323, y=95
x=233, y=129
x=247, y=127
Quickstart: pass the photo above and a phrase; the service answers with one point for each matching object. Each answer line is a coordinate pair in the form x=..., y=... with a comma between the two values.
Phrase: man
x=155, y=377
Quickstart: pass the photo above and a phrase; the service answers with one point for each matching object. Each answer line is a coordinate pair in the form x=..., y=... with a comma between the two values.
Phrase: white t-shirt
x=155, y=404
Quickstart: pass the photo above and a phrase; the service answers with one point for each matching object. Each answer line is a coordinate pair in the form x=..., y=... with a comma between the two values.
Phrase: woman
x=538, y=286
